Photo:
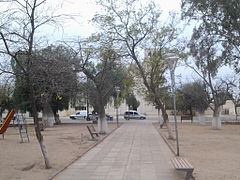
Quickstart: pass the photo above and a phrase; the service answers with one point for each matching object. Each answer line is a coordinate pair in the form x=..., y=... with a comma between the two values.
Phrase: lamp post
x=87, y=103
x=118, y=91
x=172, y=62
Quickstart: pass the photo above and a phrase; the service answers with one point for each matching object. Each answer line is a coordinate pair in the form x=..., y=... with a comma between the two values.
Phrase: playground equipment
x=22, y=126
x=6, y=122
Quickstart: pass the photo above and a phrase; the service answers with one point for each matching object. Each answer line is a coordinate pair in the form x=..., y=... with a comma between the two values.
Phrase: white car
x=83, y=115
x=131, y=114
x=79, y=115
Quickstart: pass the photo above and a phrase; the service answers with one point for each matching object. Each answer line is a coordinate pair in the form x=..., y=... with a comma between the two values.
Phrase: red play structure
x=6, y=122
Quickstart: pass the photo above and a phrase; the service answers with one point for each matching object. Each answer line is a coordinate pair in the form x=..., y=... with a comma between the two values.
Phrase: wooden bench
x=92, y=131
x=182, y=164
x=186, y=117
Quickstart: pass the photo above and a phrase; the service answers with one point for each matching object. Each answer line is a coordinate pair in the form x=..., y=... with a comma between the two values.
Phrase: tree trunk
x=37, y=127
x=1, y=116
x=43, y=147
x=235, y=109
x=159, y=117
x=166, y=121
x=191, y=111
x=47, y=115
x=56, y=115
x=201, y=118
x=102, y=125
x=57, y=119
x=102, y=121
x=216, y=121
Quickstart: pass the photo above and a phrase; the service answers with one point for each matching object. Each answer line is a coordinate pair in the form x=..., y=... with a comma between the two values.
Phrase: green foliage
x=52, y=75
x=183, y=102
x=133, y=28
x=6, y=100
x=132, y=102
x=127, y=84
x=21, y=92
x=193, y=96
x=21, y=95
x=59, y=103
x=220, y=18
x=154, y=68
x=204, y=48
x=102, y=78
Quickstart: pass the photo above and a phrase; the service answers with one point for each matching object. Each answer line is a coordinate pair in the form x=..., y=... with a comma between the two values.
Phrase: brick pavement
x=135, y=151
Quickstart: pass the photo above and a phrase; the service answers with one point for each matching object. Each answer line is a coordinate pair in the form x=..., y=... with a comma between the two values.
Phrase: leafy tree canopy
x=132, y=102
x=221, y=19
x=53, y=76
x=193, y=96
x=6, y=92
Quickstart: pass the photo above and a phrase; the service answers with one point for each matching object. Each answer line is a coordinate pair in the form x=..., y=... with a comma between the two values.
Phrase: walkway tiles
x=135, y=151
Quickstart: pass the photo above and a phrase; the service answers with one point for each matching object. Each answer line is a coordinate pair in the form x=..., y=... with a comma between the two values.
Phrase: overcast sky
x=82, y=27
x=86, y=10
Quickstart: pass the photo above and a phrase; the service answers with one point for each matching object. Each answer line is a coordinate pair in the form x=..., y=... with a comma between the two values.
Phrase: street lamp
x=172, y=62
x=87, y=103
x=118, y=91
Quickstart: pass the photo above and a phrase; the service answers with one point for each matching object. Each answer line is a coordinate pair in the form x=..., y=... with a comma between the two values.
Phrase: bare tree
x=134, y=28
x=103, y=71
x=18, y=36
x=204, y=49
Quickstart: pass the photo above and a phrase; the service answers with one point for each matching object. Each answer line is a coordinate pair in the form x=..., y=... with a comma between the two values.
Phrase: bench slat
x=92, y=131
x=181, y=163
x=93, y=128
x=187, y=164
x=176, y=163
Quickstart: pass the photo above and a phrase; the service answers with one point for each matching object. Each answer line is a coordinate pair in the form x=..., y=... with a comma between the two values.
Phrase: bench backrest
x=186, y=117
x=92, y=131
x=93, y=128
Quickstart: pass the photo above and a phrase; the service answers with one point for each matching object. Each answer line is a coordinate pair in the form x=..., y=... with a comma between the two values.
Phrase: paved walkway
x=135, y=151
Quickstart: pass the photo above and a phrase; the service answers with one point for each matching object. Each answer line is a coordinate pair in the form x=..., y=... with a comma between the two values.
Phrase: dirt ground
x=215, y=154
x=65, y=143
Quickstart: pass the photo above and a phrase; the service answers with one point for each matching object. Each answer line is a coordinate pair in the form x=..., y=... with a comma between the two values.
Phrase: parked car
x=109, y=118
x=90, y=117
x=131, y=114
x=95, y=118
x=79, y=115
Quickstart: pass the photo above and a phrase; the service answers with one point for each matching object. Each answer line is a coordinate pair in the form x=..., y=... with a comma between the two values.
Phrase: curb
x=166, y=141
x=78, y=157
